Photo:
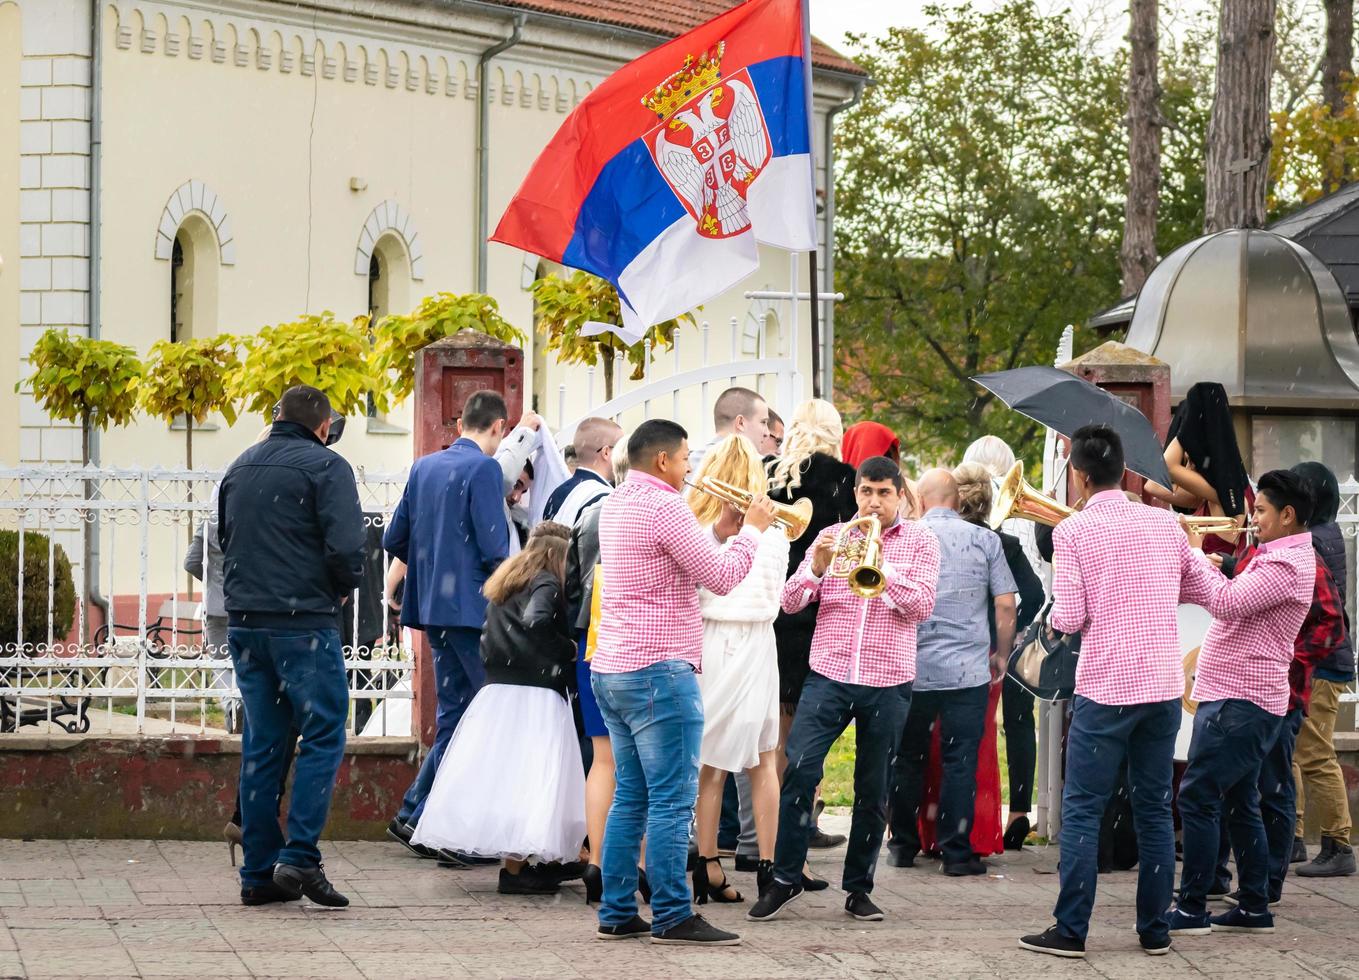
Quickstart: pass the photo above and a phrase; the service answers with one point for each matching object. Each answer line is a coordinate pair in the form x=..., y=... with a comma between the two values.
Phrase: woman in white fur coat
x=740, y=677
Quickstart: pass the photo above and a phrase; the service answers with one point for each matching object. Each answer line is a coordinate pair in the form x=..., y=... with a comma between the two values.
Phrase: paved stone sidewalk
x=162, y=909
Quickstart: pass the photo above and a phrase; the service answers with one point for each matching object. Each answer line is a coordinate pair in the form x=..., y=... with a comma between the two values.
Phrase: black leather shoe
x=746, y=863
x=900, y=857
x=266, y=895
x=964, y=868
x=819, y=840
x=311, y=882
x=402, y=833
x=530, y=880
x=562, y=871
x=593, y=880
x=638, y=926
x=1016, y=834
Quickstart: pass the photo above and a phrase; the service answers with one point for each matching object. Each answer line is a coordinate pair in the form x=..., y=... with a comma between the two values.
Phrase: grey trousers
x=746, y=844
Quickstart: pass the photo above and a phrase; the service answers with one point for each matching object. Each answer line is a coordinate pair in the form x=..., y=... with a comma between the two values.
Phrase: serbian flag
x=666, y=176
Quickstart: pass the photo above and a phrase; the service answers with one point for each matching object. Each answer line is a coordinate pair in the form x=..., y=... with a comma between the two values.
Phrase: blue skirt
x=589, y=708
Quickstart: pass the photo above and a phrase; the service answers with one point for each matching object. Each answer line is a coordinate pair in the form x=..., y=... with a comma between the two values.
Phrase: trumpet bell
x=1016, y=498
x=857, y=561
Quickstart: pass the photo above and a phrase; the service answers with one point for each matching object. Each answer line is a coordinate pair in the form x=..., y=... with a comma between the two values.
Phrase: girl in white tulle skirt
x=511, y=784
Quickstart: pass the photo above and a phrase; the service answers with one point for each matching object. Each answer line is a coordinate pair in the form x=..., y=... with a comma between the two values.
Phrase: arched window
x=194, y=259
x=388, y=287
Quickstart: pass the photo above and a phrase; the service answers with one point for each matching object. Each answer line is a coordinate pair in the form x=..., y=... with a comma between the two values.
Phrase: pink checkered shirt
x=871, y=641
x=655, y=556
x=1120, y=569
x=1256, y=618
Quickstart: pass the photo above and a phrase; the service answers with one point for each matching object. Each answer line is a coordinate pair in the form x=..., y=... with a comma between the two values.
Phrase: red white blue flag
x=666, y=176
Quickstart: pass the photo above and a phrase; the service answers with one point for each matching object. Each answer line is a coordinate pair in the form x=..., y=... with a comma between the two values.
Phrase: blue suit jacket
x=450, y=531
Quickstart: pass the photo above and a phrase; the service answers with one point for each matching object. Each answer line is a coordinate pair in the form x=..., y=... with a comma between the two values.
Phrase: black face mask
x=336, y=424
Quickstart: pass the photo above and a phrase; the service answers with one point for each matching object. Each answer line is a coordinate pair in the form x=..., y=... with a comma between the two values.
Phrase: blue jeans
x=1101, y=738
x=655, y=719
x=458, y=676
x=292, y=682
x=823, y=713
x=1278, y=802
x=961, y=715
x=1231, y=739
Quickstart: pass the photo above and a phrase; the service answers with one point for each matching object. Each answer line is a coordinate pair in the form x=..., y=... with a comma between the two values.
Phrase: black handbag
x=1044, y=661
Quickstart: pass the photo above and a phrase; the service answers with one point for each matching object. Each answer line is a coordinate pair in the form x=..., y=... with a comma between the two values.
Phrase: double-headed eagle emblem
x=712, y=141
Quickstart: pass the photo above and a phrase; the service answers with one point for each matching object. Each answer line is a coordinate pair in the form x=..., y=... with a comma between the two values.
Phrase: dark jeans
x=1278, y=807
x=1101, y=738
x=1231, y=739
x=291, y=743
x=1021, y=742
x=961, y=716
x=291, y=683
x=458, y=675
x=825, y=711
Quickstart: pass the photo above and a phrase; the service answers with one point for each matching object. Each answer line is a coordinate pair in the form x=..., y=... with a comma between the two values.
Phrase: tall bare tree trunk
x=1337, y=68
x=1237, y=171
x=1138, y=255
x=1337, y=63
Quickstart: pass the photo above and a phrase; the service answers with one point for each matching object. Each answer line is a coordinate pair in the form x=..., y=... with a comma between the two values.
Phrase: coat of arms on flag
x=710, y=146
x=665, y=177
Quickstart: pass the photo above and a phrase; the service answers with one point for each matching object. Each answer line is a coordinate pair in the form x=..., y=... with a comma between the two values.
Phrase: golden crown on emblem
x=697, y=74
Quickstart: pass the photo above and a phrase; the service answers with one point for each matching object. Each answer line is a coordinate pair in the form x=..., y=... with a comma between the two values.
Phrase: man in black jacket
x=293, y=547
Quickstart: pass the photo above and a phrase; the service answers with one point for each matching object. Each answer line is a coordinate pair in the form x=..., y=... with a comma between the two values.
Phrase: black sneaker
x=1234, y=899
x=861, y=907
x=311, y=882
x=636, y=926
x=819, y=840
x=530, y=880
x=773, y=901
x=1054, y=943
x=266, y=894
x=1299, y=854
x=900, y=857
x=1239, y=920
x=1154, y=947
x=695, y=931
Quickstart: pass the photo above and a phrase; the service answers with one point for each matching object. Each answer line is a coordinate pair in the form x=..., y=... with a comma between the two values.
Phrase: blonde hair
x=815, y=428
x=620, y=459
x=974, y=492
x=545, y=552
x=992, y=452
x=735, y=461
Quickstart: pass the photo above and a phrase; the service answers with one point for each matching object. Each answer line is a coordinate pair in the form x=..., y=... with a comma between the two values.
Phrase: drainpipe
x=483, y=143
x=92, y=593
x=828, y=321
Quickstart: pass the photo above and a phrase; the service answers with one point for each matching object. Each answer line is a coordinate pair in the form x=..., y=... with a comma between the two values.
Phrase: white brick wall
x=54, y=210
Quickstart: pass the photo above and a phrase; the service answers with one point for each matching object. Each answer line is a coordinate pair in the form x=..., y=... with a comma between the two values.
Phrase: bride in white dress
x=740, y=677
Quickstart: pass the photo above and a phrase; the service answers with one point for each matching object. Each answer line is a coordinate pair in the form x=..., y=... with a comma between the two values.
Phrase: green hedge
x=35, y=589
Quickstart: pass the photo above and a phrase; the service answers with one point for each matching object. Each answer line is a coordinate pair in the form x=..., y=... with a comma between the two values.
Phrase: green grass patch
x=837, y=785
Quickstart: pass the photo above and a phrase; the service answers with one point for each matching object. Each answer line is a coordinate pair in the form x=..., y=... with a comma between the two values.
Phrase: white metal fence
x=147, y=668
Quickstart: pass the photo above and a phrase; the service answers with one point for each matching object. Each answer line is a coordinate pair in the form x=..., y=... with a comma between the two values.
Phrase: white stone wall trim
x=389, y=218
x=191, y=196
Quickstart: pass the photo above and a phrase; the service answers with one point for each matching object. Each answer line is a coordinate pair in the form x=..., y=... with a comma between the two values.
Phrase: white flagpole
x=813, y=287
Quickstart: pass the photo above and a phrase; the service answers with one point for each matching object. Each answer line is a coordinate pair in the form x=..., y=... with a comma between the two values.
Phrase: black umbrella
x=1065, y=402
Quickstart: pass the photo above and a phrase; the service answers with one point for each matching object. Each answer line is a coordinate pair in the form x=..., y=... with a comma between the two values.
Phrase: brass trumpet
x=1223, y=527
x=859, y=561
x=792, y=519
x=1016, y=498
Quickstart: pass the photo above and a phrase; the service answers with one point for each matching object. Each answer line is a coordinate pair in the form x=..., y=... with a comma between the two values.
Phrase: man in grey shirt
x=955, y=666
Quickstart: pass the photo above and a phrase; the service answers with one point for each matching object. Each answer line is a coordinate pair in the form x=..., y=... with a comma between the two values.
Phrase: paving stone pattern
x=171, y=909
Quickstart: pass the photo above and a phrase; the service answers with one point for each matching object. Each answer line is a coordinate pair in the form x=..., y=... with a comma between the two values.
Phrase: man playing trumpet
x=862, y=665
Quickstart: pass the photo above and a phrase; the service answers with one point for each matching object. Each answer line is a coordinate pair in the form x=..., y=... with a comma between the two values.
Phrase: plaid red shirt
x=1120, y=570
x=1256, y=619
x=655, y=556
x=1322, y=631
x=871, y=641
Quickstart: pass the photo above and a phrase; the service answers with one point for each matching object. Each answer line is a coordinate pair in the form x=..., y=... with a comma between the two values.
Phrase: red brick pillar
x=447, y=373
x=1138, y=379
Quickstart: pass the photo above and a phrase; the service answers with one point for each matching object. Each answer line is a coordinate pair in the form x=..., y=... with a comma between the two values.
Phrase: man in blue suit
x=451, y=532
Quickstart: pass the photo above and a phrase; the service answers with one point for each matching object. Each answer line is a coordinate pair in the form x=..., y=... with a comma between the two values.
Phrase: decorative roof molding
x=195, y=197
x=389, y=218
x=355, y=56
